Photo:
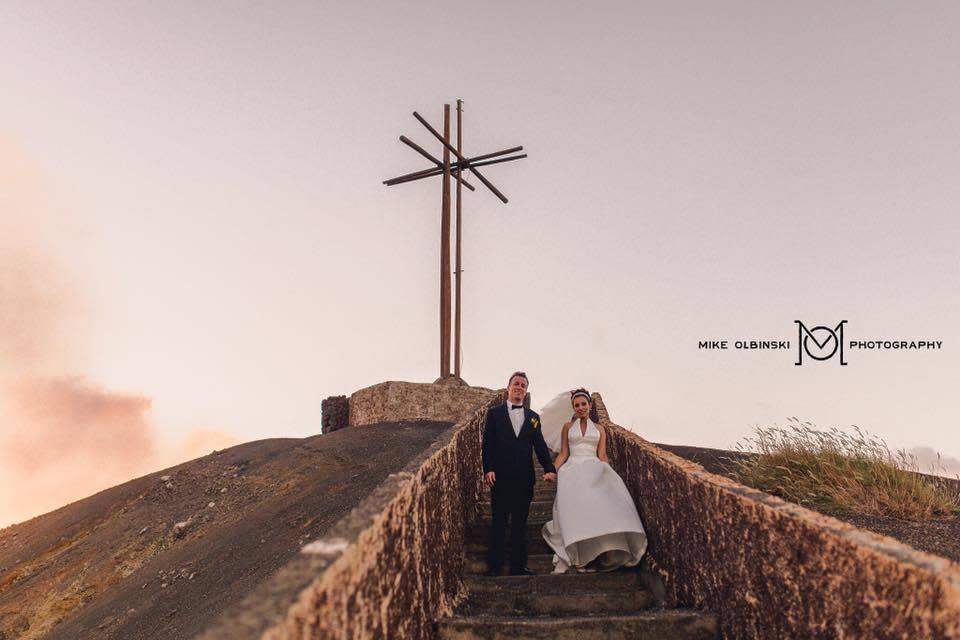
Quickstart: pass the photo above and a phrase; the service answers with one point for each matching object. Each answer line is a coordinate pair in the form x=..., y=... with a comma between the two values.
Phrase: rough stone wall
x=387, y=570
x=335, y=413
x=771, y=569
x=447, y=401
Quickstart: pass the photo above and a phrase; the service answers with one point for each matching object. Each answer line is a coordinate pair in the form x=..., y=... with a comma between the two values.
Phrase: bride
x=594, y=519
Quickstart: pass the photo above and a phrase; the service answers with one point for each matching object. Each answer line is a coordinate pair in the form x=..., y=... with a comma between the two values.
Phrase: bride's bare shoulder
x=567, y=425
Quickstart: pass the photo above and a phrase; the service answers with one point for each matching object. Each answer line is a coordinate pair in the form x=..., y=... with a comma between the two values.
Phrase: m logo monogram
x=820, y=343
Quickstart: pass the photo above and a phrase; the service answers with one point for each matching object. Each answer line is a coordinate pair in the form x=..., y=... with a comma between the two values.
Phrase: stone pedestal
x=449, y=399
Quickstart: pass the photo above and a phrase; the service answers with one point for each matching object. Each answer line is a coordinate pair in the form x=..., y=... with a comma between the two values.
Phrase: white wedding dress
x=594, y=518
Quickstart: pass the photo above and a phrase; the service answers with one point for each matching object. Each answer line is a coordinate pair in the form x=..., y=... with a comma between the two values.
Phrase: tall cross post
x=458, y=270
x=445, y=251
x=446, y=168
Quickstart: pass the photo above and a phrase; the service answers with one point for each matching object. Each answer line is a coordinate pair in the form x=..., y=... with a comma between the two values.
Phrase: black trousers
x=509, y=500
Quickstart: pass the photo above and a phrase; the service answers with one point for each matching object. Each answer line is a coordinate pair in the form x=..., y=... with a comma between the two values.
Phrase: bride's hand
x=550, y=477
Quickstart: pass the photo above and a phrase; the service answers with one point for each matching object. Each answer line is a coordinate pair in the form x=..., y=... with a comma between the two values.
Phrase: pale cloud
x=64, y=439
x=62, y=436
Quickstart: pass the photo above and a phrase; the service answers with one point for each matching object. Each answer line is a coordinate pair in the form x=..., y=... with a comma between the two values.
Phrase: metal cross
x=446, y=169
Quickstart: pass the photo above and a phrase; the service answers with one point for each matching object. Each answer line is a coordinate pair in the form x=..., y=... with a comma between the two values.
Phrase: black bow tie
x=516, y=406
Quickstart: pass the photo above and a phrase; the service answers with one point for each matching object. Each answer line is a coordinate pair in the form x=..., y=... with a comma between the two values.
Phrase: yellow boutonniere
x=536, y=423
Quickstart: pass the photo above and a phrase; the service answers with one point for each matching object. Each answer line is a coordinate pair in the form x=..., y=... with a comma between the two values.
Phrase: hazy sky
x=193, y=222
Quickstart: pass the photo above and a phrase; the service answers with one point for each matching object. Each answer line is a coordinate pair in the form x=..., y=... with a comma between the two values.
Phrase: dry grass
x=834, y=470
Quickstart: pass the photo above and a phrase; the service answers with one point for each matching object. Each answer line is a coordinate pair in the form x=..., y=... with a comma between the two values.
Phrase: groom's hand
x=490, y=478
x=550, y=477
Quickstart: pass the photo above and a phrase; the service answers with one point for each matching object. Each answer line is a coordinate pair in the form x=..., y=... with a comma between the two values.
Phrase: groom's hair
x=518, y=373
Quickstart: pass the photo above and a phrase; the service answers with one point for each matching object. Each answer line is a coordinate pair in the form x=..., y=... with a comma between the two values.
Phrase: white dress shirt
x=516, y=418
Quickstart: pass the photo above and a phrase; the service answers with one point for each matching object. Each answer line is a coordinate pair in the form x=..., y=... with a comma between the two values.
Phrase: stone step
x=538, y=508
x=476, y=563
x=508, y=602
x=539, y=520
x=564, y=583
x=541, y=491
x=480, y=532
x=477, y=545
x=645, y=625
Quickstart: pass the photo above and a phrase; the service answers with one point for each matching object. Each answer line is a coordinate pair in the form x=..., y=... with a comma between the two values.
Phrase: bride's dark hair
x=581, y=392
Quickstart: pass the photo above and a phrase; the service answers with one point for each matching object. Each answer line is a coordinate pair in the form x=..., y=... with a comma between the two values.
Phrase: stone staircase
x=618, y=605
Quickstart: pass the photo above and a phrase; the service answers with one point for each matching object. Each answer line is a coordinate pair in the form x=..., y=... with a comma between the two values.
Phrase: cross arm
x=413, y=145
x=455, y=167
x=428, y=173
x=454, y=151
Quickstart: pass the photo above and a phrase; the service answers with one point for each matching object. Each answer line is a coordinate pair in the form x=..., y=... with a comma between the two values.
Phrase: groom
x=511, y=434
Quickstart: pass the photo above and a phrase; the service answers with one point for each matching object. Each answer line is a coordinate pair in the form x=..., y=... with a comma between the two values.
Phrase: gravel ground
x=161, y=556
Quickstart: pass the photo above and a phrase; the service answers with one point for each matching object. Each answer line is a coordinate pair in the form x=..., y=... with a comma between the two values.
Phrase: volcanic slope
x=163, y=555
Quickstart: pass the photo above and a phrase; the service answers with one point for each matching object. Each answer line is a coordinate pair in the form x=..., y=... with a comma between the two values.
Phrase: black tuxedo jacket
x=509, y=455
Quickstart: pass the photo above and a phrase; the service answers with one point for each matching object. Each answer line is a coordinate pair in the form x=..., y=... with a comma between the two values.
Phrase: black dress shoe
x=522, y=572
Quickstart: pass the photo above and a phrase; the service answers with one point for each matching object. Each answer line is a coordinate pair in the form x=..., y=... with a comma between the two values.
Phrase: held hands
x=550, y=477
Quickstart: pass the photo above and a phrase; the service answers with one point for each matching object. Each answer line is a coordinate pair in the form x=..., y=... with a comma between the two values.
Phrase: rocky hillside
x=162, y=555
